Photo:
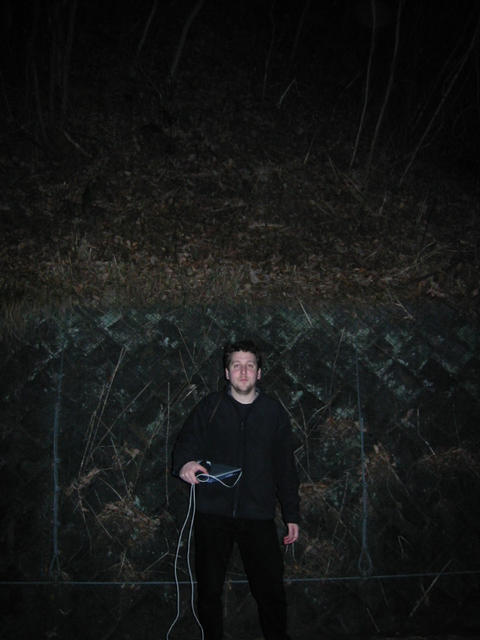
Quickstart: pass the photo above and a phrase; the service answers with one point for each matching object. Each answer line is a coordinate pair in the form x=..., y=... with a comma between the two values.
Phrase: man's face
x=243, y=372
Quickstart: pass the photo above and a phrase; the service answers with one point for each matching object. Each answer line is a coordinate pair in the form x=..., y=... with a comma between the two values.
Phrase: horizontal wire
x=114, y=583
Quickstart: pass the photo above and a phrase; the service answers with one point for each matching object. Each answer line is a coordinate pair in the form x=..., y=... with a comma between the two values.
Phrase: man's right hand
x=189, y=470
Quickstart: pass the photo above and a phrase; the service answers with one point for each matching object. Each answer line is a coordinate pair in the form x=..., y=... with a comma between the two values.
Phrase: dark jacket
x=260, y=443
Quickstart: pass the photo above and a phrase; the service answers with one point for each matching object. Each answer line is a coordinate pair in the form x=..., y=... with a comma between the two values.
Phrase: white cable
x=190, y=511
x=206, y=477
x=202, y=477
x=190, y=575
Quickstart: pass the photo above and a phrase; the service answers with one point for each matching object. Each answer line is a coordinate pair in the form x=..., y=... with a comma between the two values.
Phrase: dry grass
x=228, y=221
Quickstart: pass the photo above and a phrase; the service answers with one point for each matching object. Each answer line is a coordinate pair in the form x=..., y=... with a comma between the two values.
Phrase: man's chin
x=243, y=391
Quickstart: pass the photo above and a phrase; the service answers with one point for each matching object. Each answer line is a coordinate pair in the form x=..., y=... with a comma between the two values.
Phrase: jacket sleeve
x=189, y=444
x=286, y=471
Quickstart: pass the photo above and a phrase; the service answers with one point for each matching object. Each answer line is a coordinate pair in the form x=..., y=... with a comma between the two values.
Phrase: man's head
x=241, y=345
x=242, y=362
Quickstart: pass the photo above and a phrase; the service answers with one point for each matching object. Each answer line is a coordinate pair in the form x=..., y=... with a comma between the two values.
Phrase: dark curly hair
x=241, y=345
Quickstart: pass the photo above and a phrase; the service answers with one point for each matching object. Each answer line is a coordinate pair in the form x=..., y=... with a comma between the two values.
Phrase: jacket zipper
x=241, y=459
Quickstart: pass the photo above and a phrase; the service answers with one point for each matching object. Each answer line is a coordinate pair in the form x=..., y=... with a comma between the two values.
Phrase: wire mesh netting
x=384, y=404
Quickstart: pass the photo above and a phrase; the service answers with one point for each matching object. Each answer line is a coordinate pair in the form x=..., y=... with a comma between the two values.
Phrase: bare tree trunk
x=388, y=90
x=270, y=50
x=48, y=64
x=30, y=89
x=38, y=104
x=181, y=43
x=445, y=95
x=367, y=82
x=67, y=55
x=298, y=33
x=440, y=80
x=54, y=63
x=146, y=29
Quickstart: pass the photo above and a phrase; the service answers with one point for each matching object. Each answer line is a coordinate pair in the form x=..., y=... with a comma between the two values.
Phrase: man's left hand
x=292, y=533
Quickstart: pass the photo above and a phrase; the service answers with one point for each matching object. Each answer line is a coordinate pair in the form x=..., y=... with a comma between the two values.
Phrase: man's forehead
x=243, y=356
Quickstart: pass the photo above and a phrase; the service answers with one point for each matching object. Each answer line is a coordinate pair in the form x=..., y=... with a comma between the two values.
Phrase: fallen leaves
x=248, y=225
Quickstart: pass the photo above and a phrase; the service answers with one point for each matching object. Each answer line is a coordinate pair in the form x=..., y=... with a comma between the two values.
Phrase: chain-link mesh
x=92, y=402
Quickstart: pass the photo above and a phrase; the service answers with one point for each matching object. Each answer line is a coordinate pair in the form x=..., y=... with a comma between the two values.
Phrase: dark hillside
x=270, y=152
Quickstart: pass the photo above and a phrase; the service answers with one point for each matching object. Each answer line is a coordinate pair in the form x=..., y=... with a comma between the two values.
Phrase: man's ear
x=259, y=374
x=227, y=376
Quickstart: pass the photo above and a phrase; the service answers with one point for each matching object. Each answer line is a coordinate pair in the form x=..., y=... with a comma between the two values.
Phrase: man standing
x=247, y=429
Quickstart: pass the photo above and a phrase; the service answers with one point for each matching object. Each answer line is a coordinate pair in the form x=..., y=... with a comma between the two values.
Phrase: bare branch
x=181, y=43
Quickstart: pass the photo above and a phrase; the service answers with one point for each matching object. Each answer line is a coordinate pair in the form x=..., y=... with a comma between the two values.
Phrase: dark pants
x=262, y=559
